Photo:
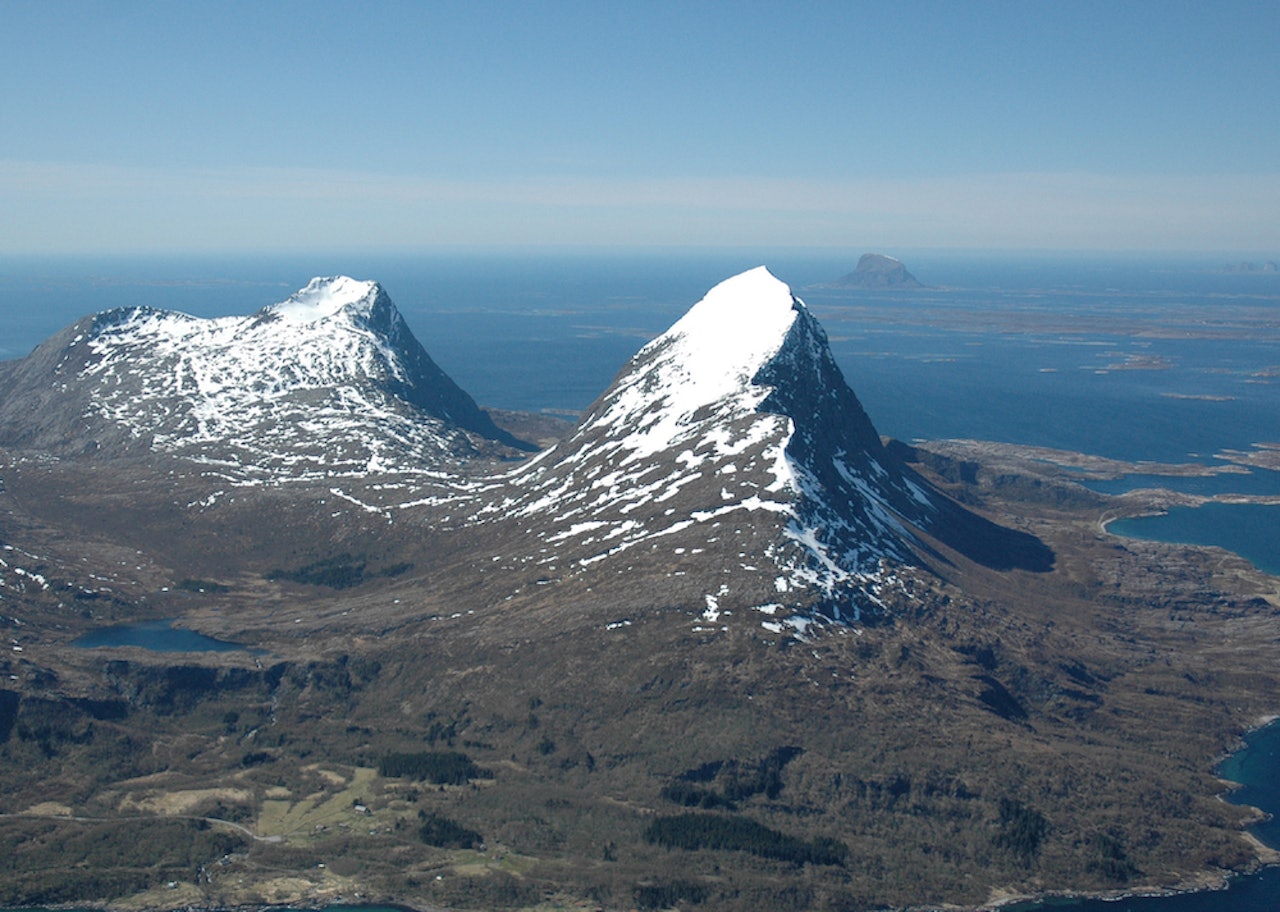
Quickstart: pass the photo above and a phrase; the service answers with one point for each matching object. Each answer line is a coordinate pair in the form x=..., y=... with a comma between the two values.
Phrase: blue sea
x=1167, y=359
x=1154, y=358
x=1133, y=358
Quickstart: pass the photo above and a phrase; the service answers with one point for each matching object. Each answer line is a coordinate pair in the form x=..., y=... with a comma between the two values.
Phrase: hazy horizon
x=237, y=127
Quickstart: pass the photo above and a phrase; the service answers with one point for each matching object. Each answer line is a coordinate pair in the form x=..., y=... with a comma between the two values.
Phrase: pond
x=158, y=636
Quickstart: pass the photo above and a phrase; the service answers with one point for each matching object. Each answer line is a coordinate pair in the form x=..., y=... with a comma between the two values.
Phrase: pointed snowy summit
x=708, y=360
x=736, y=421
x=720, y=344
x=734, y=434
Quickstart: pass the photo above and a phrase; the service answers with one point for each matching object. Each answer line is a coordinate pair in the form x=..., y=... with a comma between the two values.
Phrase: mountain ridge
x=330, y=377
x=735, y=424
x=738, y=417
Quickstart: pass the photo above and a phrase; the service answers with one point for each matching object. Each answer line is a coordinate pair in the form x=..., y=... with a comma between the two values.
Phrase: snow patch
x=326, y=297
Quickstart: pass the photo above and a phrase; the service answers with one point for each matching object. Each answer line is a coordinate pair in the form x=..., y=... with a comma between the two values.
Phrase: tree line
x=741, y=834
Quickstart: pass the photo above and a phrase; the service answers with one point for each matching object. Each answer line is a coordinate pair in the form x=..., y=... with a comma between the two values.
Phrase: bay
x=1255, y=768
x=1257, y=481
x=1247, y=529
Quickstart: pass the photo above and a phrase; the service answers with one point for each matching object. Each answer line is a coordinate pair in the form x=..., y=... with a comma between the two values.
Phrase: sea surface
x=1247, y=529
x=1165, y=359
x=1129, y=358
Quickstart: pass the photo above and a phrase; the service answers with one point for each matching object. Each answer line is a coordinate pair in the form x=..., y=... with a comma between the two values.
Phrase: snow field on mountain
x=295, y=390
x=736, y=421
x=691, y=433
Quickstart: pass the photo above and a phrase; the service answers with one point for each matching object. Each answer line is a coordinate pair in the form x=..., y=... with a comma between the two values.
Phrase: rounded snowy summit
x=326, y=297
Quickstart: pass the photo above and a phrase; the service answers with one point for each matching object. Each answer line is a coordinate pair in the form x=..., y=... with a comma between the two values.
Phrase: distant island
x=875, y=270
x=1248, y=266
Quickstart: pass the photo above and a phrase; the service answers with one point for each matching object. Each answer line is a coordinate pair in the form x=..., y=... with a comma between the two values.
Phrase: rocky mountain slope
x=734, y=435
x=731, y=442
x=330, y=381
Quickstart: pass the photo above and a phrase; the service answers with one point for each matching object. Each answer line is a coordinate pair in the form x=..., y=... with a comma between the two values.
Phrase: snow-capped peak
x=329, y=380
x=737, y=415
x=706, y=363
x=325, y=297
x=720, y=344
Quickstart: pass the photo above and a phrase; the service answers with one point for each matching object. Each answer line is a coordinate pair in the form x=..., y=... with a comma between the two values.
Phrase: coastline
x=1204, y=882
x=1209, y=881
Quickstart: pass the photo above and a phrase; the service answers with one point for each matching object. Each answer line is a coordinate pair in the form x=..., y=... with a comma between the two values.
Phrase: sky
x=225, y=126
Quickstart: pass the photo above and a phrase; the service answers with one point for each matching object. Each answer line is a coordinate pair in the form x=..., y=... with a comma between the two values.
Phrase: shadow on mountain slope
x=987, y=543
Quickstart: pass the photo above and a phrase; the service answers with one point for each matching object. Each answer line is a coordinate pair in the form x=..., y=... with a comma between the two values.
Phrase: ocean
x=1132, y=358
x=1135, y=358
x=1167, y=359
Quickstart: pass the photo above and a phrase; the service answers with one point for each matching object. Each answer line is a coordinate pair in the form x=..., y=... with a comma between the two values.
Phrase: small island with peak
x=875, y=270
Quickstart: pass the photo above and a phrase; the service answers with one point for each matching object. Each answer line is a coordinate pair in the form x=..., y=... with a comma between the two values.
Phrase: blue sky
x=128, y=126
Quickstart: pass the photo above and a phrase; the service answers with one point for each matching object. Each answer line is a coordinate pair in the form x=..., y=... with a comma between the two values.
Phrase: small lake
x=158, y=636
x=1247, y=529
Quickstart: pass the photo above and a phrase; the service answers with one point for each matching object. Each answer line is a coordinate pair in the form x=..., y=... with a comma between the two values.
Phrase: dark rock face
x=876, y=270
x=423, y=384
x=836, y=441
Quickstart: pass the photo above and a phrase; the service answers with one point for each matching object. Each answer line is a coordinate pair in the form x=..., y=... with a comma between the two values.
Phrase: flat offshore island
x=716, y=646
